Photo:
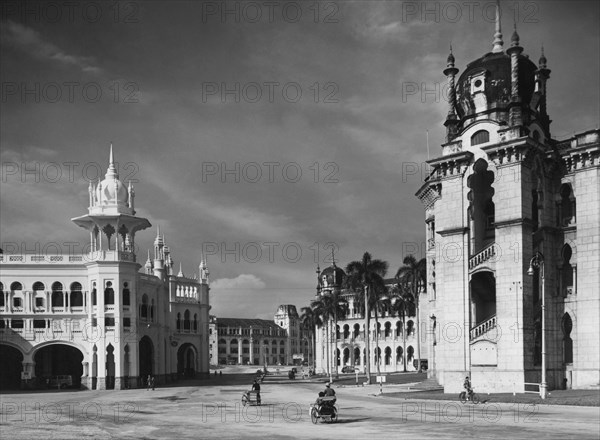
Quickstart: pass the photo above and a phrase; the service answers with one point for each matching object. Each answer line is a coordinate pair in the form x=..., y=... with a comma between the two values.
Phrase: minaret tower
x=452, y=119
x=204, y=273
x=159, y=255
x=515, y=112
x=111, y=218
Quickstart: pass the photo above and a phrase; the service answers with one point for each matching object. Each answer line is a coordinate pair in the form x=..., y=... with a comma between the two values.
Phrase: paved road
x=215, y=412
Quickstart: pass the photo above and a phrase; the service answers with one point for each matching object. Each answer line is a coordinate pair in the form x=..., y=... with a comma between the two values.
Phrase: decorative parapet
x=66, y=259
x=581, y=151
x=452, y=147
x=186, y=293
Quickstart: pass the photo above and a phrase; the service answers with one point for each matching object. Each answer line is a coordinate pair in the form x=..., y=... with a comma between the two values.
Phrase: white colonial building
x=243, y=341
x=95, y=316
x=395, y=335
x=513, y=232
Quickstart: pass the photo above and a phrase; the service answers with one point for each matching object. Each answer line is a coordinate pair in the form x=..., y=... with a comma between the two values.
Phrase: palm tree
x=363, y=276
x=310, y=320
x=321, y=307
x=378, y=303
x=413, y=275
x=330, y=307
x=401, y=304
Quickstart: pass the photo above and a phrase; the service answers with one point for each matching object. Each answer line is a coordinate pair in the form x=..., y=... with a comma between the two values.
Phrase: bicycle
x=472, y=396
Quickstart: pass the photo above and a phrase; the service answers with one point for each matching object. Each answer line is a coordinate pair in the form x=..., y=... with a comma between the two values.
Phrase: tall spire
x=498, y=42
x=112, y=170
x=543, y=60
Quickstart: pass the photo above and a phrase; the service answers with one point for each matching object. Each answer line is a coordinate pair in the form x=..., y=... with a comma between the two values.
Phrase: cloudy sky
x=263, y=133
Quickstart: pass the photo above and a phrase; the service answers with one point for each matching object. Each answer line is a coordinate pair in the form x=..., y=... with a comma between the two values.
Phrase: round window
x=478, y=83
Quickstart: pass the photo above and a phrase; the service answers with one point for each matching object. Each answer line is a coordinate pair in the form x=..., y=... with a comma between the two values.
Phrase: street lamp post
x=537, y=263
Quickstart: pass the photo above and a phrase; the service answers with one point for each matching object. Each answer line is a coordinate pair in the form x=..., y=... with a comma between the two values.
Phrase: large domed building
x=512, y=222
x=94, y=320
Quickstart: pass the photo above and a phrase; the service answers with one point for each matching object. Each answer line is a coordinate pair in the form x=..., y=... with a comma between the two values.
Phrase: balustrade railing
x=483, y=256
x=483, y=327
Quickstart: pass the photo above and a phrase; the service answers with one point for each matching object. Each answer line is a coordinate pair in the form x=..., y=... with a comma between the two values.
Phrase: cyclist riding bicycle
x=467, y=386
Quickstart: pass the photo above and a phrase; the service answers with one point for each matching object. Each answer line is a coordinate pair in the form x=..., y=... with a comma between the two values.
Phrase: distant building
x=95, y=316
x=241, y=341
x=345, y=346
x=505, y=196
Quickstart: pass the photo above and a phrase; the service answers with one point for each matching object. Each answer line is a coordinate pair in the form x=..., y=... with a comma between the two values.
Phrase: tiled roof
x=246, y=323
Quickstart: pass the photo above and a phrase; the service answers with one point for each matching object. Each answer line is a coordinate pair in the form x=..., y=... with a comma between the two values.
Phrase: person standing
x=256, y=387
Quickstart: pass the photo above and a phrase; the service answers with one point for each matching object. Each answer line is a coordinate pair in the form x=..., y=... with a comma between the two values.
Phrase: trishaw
x=251, y=398
x=324, y=408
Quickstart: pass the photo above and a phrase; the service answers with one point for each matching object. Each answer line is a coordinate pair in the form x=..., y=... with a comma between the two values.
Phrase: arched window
x=152, y=309
x=398, y=329
x=178, y=324
x=567, y=327
x=388, y=329
x=567, y=270
x=337, y=332
x=346, y=331
x=57, y=295
x=480, y=137
x=410, y=328
x=94, y=295
x=481, y=212
x=186, y=320
x=195, y=322
x=356, y=331
x=144, y=307
x=388, y=355
x=16, y=286
x=109, y=294
x=567, y=206
x=126, y=295
x=76, y=296
x=399, y=359
x=38, y=285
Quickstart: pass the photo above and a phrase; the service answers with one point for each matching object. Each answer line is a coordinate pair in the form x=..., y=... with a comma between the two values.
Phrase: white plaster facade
x=501, y=192
x=243, y=341
x=95, y=316
x=346, y=347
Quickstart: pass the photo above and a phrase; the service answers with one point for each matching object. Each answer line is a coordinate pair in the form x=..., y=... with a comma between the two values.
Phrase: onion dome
x=111, y=190
x=490, y=75
x=332, y=276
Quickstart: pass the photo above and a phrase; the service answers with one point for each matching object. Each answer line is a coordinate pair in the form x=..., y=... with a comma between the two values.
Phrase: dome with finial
x=332, y=276
x=111, y=191
x=515, y=38
x=450, y=60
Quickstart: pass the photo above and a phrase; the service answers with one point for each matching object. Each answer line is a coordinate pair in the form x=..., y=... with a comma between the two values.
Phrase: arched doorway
x=59, y=365
x=186, y=361
x=146, y=357
x=10, y=368
x=483, y=297
x=110, y=367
